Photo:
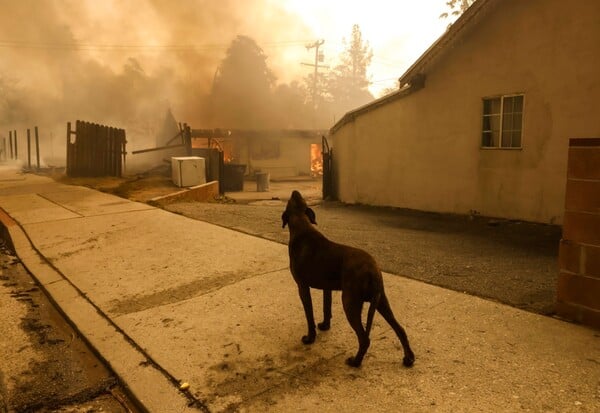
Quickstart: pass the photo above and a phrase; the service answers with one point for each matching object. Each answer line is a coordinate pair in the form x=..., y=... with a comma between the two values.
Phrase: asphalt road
x=46, y=367
x=508, y=261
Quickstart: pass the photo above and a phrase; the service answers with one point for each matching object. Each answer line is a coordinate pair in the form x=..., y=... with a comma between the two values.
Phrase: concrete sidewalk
x=165, y=300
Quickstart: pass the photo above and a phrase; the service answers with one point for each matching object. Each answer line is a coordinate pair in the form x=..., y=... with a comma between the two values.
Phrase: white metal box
x=188, y=171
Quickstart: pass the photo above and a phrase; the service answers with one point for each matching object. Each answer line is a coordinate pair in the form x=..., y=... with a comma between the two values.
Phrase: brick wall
x=578, y=295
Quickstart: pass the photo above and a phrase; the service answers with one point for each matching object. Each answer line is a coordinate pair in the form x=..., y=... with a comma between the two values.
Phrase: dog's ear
x=284, y=218
x=311, y=215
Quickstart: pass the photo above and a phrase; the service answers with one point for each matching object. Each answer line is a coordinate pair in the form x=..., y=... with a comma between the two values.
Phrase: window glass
x=508, y=104
x=518, y=104
x=517, y=121
x=490, y=139
x=491, y=106
x=507, y=122
x=516, y=139
x=502, y=122
x=506, y=139
x=491, y=123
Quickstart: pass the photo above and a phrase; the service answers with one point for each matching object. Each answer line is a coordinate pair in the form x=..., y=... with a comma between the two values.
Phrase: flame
x=316, y=160
x=224, y=145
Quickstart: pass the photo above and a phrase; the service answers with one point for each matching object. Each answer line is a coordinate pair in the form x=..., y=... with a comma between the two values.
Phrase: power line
x=384, y=80
x=318, y=58
x=21, y=44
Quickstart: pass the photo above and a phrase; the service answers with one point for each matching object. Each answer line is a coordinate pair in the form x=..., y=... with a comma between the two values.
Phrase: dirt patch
x=172, y=295
x=46, y=365
x=139, y=187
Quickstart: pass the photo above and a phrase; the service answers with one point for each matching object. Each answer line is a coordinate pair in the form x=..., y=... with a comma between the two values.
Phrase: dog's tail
x=371, y=312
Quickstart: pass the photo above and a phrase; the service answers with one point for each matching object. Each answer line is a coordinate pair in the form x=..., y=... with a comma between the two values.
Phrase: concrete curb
x=148, y=384
x=201, y=193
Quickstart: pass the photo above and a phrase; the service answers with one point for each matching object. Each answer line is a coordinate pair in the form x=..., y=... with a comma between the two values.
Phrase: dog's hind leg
x=326, y=324
x=386, y=311
x=304, y=292
x=353, y=309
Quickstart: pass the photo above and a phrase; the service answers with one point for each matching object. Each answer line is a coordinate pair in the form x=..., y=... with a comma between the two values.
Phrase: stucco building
x=482, y=120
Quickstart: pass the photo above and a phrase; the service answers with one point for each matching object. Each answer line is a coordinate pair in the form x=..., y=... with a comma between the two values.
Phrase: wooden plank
x=28, y=148
x=160, y=148
x=75, y=164
x=69, y=150
x=122, y=152
x=112, y=161
x=97, y=150
x=37, y=148
x=104, y=149
x=95, y=163
x=79, y=144
x=91, y=167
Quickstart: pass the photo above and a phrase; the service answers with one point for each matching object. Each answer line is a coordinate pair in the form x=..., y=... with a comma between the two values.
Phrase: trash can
x=262, y=181
x=233, y=177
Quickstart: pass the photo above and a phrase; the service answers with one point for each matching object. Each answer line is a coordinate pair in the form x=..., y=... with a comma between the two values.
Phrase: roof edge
x=453, y=31
x=414, y=78
x=353, y=114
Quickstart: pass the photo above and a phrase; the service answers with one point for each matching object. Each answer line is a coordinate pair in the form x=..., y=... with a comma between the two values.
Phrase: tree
x=456, y=8
x=13, y=105
x=347, y=83
x=292, y=108
x=317, y=99
x=388, y=90
x=242, y=89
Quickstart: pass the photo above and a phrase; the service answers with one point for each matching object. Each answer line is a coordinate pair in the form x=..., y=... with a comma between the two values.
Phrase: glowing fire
x=224, y=145
x=316, y=160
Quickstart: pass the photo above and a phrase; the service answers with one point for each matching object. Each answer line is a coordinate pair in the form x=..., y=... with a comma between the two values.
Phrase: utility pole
x=318, y=59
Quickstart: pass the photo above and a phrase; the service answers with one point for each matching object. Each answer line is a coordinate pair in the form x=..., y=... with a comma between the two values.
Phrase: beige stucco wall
x=422, y=151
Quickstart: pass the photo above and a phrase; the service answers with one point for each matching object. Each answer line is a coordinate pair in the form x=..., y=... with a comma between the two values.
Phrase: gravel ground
x=509, y=261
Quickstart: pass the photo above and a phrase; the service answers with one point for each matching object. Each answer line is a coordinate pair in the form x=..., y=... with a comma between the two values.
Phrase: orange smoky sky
x=122, y=61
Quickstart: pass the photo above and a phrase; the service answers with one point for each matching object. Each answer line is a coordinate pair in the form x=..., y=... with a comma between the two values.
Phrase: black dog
x=316, y=262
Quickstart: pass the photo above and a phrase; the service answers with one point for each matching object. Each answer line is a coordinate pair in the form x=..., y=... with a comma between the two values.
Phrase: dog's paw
x=308, y=339
x=408, y=361
x=351, y=361
x=324, y=326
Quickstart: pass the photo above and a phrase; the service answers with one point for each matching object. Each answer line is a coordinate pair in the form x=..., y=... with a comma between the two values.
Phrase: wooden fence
x=13, y=146
x=97, y=150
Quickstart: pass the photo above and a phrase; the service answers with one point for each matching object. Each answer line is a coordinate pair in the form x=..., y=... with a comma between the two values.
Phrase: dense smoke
x=125, y=64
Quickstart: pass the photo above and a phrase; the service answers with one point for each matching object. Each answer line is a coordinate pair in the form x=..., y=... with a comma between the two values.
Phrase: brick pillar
x=578, y=295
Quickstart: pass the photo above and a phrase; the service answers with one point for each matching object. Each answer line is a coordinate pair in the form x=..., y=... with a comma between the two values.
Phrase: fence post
x=188, y=139
x=16, y=152
x=10, y=143
x=69, y=156
x=28, y=149
x=37, y=148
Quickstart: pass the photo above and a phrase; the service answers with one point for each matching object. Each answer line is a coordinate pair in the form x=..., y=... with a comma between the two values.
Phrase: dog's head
x=296, y=205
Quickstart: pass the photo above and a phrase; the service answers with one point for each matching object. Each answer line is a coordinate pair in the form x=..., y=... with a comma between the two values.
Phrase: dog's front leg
x=325, y=325
x=304, y=292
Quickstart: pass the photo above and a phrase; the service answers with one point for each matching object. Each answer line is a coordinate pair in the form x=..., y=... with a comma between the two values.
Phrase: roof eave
x=351, y=115
x=418, y=68
x=414, y=78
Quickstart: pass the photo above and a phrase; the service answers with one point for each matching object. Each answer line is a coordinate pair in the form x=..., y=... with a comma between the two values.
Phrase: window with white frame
x=502, y=122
